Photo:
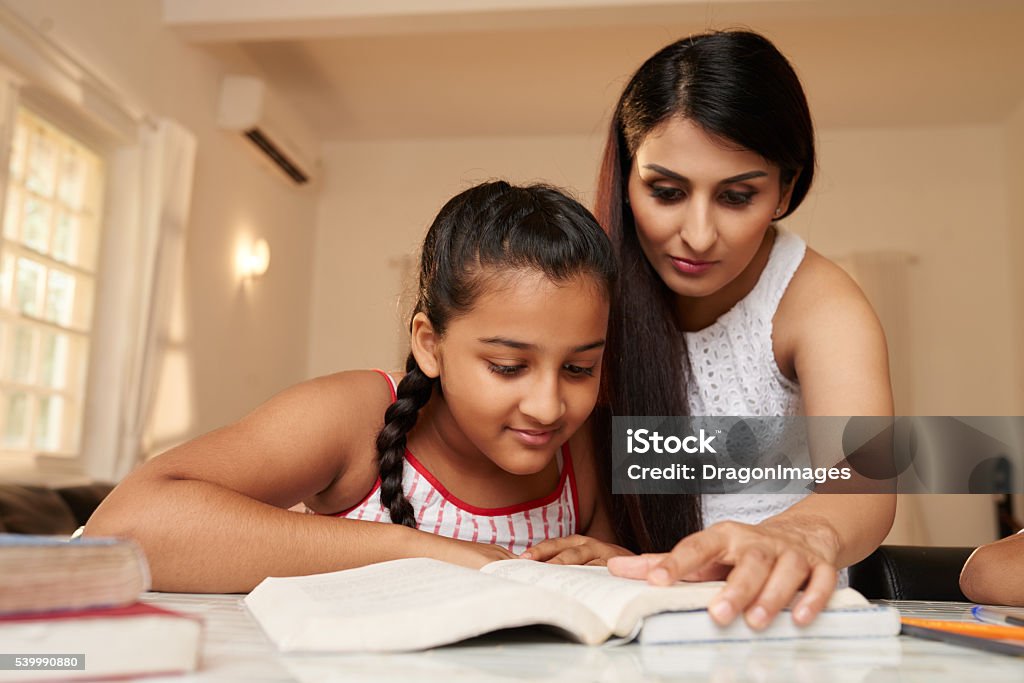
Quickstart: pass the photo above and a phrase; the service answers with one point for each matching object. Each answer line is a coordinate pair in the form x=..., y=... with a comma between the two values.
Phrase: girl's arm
x=212, y=514
x=835, y=347
x=994, y=573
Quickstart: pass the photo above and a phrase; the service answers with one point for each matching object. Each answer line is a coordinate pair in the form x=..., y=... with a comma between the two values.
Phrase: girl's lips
x=533, y=437
x=691, y=266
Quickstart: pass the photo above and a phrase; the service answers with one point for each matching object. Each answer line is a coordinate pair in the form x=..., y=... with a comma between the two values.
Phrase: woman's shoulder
x=820, y=293
x=828, y=338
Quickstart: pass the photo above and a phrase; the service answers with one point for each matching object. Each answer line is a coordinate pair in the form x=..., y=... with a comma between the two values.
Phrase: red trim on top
x=367, y=497
x=391, y=383
x=508, y=509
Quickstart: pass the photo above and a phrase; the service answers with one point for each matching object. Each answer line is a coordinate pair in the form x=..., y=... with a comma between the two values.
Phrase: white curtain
x=146, y=239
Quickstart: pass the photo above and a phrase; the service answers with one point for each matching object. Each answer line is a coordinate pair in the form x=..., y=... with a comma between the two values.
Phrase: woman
x=719, y=312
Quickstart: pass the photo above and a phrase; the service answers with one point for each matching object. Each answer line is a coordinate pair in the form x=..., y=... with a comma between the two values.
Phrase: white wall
x=939, y=194
x=1013, y=145
x=236, y=346
x=378, y=201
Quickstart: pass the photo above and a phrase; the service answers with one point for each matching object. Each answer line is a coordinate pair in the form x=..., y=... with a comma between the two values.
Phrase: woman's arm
x=994, y=573
x=211, y=515
x=834, y=346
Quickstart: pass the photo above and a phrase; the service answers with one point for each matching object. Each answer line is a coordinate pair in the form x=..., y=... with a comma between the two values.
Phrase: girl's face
x=520, y=371
x=701, y=207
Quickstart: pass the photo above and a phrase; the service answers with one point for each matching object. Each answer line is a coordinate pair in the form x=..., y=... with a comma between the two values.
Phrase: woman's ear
x=787, y=194
x=425, y=345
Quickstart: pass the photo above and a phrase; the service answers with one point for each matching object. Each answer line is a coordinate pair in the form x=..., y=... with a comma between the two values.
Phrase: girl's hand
x=763, y=565
x=469, y=554
x=574, y=549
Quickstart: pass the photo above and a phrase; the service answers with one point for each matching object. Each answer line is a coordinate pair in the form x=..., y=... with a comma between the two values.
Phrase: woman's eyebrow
x=683, y=179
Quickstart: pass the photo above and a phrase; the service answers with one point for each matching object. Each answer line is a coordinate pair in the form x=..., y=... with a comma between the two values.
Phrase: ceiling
x=559, y=68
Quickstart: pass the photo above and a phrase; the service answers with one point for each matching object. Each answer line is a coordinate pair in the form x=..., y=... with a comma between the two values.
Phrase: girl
x=720, y=312
x=507, y=341
x=994, y=573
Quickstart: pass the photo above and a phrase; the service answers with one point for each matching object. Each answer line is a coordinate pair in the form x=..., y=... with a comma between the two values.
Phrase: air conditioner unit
x=248, y=107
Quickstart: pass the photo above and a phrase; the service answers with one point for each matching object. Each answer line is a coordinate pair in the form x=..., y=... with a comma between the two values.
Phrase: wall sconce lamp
x=252, y=260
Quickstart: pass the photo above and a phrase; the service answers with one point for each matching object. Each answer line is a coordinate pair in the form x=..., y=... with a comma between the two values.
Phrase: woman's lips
x=691, y=266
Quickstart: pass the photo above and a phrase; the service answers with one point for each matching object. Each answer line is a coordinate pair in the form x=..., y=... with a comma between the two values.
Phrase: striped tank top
x=515, y=527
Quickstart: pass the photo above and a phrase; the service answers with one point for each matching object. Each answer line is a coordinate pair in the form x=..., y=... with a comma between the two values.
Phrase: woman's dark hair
x=483, y=232
x=738, y=87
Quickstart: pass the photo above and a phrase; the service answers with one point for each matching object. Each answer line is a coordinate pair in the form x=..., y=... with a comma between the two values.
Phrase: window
x=48, y=266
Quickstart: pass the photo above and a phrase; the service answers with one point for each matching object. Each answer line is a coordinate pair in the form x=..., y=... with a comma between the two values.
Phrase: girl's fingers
x=545, y=550
x=789, y=573
x=575, y=549
x=579, y=555
x=819, y=589
x=748, y=577
x=634, y=566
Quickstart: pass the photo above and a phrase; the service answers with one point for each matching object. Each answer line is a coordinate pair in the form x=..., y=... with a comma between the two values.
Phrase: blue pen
x=998, y=615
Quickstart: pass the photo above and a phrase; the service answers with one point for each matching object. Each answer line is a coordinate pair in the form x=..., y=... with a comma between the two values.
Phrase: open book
x=414, y=604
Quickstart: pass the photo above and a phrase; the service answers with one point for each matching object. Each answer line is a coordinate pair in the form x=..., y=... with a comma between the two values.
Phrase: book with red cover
x=117, y=642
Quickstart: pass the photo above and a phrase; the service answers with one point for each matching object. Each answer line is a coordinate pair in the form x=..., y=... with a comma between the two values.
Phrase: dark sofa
x=51, y=511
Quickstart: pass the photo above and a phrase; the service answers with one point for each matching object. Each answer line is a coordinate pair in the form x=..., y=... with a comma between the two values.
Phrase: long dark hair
x=737, y=86
x=486, y=230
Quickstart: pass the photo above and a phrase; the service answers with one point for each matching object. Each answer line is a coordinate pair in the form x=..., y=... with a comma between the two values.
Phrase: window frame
x=39, y=74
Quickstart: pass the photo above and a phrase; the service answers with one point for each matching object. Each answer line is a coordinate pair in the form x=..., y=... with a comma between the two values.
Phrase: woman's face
x=701, y=206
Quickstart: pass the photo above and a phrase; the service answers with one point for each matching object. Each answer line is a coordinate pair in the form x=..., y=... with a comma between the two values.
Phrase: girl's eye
x=578, y=370
x=666, y=194
x=733, y=198
x=505, y=370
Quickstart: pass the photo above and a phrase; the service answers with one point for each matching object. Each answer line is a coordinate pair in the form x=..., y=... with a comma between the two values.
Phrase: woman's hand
x=763, y=565
x=575, y=549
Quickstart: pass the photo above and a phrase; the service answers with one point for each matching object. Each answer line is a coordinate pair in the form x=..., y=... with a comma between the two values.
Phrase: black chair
x=905, y=572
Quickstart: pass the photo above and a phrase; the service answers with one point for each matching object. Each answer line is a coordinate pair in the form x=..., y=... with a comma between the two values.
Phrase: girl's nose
x=543, y=401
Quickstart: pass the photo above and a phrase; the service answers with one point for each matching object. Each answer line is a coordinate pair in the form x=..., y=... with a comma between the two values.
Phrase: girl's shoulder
x=349, y=408
x=345, y=403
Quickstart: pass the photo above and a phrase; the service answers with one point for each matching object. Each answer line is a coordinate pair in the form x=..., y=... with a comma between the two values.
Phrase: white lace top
x=732, y=372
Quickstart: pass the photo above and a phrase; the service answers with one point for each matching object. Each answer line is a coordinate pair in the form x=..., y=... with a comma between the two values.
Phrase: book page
x=621, y=603
x=406, y=605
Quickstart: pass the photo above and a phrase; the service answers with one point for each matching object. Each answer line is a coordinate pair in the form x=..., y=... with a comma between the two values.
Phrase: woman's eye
x=505, y=370
x=733, y=198
x=578, y=370
x=666, y=194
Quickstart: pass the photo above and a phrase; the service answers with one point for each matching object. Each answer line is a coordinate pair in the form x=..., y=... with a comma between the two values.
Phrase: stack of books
x=70, y=609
